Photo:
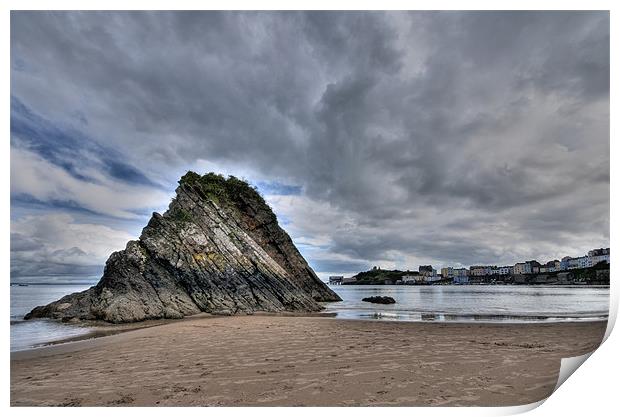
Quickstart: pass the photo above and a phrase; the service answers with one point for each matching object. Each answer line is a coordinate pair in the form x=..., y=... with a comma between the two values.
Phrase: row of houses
x=461, y=275
x=426, y=274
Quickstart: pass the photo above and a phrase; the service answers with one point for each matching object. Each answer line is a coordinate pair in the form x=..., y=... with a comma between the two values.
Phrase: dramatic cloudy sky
x=389, y=139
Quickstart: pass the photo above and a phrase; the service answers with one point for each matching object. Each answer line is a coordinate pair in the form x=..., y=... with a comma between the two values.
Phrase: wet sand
x=311, y=361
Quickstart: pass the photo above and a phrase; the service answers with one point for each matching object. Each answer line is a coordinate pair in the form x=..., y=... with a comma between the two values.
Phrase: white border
x=592, y=391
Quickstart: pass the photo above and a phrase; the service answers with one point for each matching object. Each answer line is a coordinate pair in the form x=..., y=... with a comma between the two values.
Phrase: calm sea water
x=31, y=333
x=473, y=303
x=413, y=303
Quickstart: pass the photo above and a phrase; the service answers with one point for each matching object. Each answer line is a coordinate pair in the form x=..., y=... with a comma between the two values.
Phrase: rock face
x=378, y=299
x=217, y=249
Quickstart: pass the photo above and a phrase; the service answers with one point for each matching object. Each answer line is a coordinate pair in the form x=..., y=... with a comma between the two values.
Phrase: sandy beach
x=305, y=361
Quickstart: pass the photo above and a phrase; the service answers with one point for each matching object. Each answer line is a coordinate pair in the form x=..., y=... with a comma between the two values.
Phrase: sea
x=433, y=303
x=34, y=333
x=473, y=303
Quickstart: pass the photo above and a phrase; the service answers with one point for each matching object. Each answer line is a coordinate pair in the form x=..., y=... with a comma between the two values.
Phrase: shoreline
x=104, y=329
x=56, y=346
x=303, y=360
x=99, y=329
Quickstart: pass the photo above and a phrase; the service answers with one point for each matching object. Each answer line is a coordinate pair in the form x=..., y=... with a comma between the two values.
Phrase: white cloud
x=59, y=231
x=34, y=176
x=56, y=244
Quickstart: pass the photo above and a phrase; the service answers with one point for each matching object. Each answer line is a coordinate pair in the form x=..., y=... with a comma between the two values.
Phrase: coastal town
x=592, y=269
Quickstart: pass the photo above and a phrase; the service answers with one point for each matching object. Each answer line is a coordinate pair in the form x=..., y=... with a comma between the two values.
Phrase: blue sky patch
x=68, y=148
x=277, y=188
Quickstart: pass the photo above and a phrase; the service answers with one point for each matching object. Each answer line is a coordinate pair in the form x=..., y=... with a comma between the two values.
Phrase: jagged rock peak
x=218, y=249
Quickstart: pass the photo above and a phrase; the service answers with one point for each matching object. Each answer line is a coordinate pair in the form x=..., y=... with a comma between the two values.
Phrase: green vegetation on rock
x=220, y=189
x=378, y=276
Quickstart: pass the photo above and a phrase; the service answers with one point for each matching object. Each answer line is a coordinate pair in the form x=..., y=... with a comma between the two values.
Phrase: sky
x=378, y=138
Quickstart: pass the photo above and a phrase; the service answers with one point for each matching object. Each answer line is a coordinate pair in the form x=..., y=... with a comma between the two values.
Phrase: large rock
x=217, y=249
x=379, y=299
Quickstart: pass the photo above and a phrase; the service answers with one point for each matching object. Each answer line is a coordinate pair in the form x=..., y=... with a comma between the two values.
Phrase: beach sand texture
x=310, y=361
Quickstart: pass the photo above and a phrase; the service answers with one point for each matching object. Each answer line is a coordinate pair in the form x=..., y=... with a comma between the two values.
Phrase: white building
x=447, y=272
x=564, y=263
x=598, y=259
x=505, y=270
x=335, y=279
x=412, y=279
x=460, y=272
x=584, y=262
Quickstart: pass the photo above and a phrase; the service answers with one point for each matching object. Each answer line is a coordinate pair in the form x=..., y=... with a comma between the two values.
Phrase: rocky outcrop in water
x=217, y=249
x=379, y=299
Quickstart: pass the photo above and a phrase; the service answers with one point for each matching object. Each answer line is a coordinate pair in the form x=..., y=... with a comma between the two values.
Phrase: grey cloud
x=343, y=266
x=56, y=244
x=450, y=136
x=21, y=243
x=49, y=271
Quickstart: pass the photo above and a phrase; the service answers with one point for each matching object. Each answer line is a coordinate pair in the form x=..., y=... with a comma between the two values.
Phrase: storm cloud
x=379, y=138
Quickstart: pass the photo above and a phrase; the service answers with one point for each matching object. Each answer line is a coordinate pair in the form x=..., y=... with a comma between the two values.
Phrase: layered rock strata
x=217, y=249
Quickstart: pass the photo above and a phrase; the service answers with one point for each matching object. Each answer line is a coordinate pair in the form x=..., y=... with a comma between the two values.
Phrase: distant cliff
x=218, y=249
